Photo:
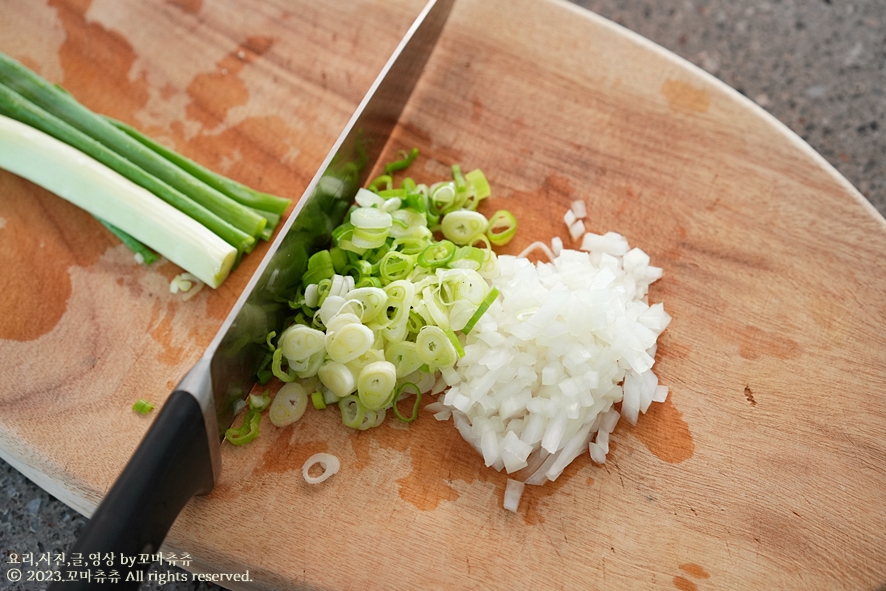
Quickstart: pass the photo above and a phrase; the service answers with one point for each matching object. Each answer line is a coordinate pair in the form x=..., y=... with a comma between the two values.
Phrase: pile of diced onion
x=545, y=366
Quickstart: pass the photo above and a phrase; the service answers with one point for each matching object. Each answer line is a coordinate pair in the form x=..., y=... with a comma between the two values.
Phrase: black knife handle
x=170, y=465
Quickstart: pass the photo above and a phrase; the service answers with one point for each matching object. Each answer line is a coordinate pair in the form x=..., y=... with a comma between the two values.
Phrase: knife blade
x=180, y=455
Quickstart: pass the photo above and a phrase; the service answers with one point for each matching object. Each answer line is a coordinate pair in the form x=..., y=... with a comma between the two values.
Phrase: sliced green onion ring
x=437, y=255
x=464, y=227
x=300, y=342
x=349, y=342
x=395, y=266
x=337, y=377
x=277, y=367
x=372, y=299
x=375, y=385
x=502, y=227
x=289, y=405
x=318, y=401
x=402, y=395
x=434, y=347
x=352, y=411
x=404, y=356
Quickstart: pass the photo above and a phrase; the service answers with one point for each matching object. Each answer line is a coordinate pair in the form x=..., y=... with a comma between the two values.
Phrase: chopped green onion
x=468, y=257
x=403, y=163
x=318, y=400
x=396, y=299
x=375, y=385
x=248, y=431
x=437, y=254
x=443, y=198
x=490, y=297
x=464, y=227
x=461, y=187
x=337, y=377
x=277, y=367
x=395, y=266
x=459, y=350
x=142, y=406
x=404, y=356
x=435, y=348
x=372, y=301
x=352, y=411
x=339, y=259
x=384, y=179
x=502, y=227
x=349, y=341
x=478, y=182
x=289, y=405
x=259, y=402
x=401, y=396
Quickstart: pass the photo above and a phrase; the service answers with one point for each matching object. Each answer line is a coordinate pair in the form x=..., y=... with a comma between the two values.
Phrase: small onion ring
x=329, y=463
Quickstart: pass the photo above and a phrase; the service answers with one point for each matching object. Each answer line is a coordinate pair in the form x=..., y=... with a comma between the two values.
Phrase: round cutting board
x=766, y=466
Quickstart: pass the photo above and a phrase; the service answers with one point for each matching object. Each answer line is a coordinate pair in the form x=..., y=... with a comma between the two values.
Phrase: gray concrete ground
x=817, y=65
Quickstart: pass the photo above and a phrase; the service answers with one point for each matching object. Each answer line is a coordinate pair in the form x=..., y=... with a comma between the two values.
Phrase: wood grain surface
x=766, y=467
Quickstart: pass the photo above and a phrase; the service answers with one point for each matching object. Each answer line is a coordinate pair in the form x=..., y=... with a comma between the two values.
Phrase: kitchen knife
x=180, y=455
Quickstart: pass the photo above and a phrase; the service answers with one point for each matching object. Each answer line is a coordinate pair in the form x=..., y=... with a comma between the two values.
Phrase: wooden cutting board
x=765, y=468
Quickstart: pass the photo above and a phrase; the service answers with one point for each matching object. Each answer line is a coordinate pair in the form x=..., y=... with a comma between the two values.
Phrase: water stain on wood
x=664, y=433
x=694, y=570
x=163, y=332
x=530, y=502
x=96, y=63
x=437, y=466
x=686, y=98
x=288, y=452
x=55, y=235
x=684, y=584
x=215, y=93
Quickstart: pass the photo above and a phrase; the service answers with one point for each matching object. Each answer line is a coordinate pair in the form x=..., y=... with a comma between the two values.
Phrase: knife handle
x=171, y=464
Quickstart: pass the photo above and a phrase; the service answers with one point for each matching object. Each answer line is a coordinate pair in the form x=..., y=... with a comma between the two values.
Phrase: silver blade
x=227, y=371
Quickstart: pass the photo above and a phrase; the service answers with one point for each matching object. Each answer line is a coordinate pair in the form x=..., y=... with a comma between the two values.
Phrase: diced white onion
x=513, y=493
x=577, y=229
x=569, y=218
x=579, y=209
x=565, y=340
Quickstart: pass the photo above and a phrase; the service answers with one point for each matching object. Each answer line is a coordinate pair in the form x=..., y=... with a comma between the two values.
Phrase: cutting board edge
x=52, y=486
x=743, y=101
